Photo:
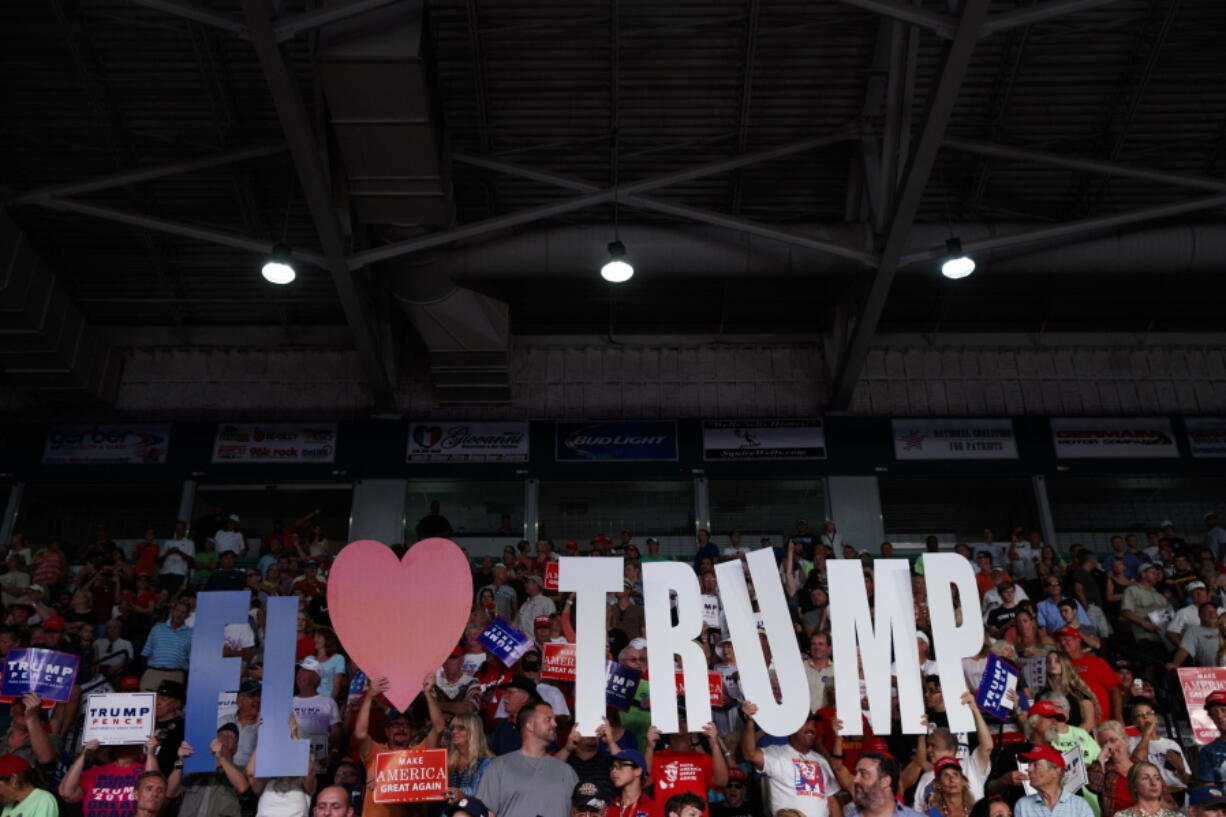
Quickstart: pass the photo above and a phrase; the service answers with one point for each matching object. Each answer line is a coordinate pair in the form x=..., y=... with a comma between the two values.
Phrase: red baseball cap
x=946, y=763
x=1216, y=699
x=129, y=683
x=1047, y=709
x=1044, y=753
x=543, y=621
x=1068, y=632
x=12, y=764
x=54, y=623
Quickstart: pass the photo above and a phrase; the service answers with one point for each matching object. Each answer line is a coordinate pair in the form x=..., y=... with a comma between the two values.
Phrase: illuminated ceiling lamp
x=957, y=264
x=279, y=268
x=617, y=270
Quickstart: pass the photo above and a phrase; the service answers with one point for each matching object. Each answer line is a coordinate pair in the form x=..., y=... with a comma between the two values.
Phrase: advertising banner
x=119, y=718
x=1198, y=683
x=275, y=442
x=438, y=441
x=763, y=440
x=47, y=673
x=622, y=441
x=558, y=662
x=410, y=776
x=1206, y=436
x=956, y=439
x=504, y=641
x=1113, y=438
x=124, y=444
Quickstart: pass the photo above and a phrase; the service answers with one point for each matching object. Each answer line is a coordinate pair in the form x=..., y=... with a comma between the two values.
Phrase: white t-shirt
x=112, y=655
x=315, y=714
x=1184, y=617
x=176, y=565
x=292, y=803
x=804, y=782
x=229, y=540
x=1157, y=756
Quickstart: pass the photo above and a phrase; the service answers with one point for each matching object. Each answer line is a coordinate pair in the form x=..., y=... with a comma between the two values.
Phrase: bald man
x=333, y=802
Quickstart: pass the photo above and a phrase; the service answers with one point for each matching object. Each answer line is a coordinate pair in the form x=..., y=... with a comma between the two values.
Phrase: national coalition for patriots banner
x=763, y=440
x=986, y=439
x=1113, y=437
x=110, y=444
x=436, y=441
x=275, y=442
x=623, y=441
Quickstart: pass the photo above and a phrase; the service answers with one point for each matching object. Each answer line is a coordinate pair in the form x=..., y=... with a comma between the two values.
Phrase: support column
x=377, y=511
x=9, y=522
x=187, y=501
x=855, y=506
x=1047, y=522
x=532, y=510
x=702, y=504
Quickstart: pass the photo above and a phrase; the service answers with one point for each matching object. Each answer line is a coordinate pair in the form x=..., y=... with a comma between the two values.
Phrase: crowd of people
x=1095, y=727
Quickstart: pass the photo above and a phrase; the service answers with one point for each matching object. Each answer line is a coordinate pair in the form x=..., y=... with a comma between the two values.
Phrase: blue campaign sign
x=504, y=641
x=46, y=672
x=999, y=677
x=620, y=683
x=631, y=441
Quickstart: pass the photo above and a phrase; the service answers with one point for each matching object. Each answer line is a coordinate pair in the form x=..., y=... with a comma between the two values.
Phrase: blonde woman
x=1149, y=795
x=467, y=756
x=1083, y=703
x=951, y=792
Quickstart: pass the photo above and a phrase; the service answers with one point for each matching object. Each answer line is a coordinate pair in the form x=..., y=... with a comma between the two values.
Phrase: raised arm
x=749, y=737
x=438, y=723
x=40, y=741
x=70, y=786
x=361, y=724
x=719, y=757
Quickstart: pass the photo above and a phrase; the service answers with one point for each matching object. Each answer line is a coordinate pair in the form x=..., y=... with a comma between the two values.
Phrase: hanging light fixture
x=617, y=270
x=957, y=264
x=279, y=268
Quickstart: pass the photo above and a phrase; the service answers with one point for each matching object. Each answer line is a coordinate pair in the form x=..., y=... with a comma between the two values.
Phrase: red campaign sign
x=1198, y=683
x=558, y=663
x=410, y=776
x=551, y=576
x=715, y=687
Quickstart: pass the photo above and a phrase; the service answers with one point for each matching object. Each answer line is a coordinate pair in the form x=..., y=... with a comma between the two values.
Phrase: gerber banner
x=119, y=718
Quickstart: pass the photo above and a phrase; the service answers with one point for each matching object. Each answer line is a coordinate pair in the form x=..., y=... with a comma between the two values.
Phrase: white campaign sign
x=665, y=642
x=119, y=718
x=590, y=579
x=951, y=643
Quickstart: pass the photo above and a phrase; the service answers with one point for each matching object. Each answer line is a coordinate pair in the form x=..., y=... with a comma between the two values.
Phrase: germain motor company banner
x=275, y=442
x=1113, y=437
x=954, y=439
x=126, y=444
x=433, y=441
x=625, y=441
x=1206, y=436
x=763, y=440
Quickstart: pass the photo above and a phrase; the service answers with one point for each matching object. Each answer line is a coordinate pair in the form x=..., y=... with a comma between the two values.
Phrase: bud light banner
x=431, y=441
x=630, y=441
x=107, y=445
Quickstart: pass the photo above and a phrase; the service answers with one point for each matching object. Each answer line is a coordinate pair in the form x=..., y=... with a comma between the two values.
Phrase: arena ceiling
x=449, y=172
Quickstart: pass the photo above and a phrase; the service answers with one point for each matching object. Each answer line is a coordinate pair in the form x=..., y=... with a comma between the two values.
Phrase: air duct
x=47, y=348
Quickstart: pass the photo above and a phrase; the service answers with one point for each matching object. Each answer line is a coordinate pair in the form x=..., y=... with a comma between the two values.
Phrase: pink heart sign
x=399, y=618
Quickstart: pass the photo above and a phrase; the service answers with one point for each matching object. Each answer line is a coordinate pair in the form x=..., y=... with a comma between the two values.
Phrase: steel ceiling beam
x=287, y=98
x=162, y=225
x=1087, y=165
x=144, y=174
x=290, y=26
x=731, y=222
x=944, y=25
x=623, y=192
x=1074, y=228
x=1037, y=13
x=196, y=13
x=941, y=102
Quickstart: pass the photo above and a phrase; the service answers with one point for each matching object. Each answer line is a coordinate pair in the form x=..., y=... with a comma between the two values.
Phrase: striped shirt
x=168, y=648
x=1069, y=805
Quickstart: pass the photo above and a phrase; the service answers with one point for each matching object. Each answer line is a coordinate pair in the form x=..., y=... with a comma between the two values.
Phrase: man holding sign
x=399, y=731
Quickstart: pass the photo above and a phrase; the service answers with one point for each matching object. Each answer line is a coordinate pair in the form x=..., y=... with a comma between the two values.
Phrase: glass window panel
x=765, y=507
x=474, y=508
x=258, y=506
x=1090, y=510
x=580, y=510
x=70, y=512
x=954, y=509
